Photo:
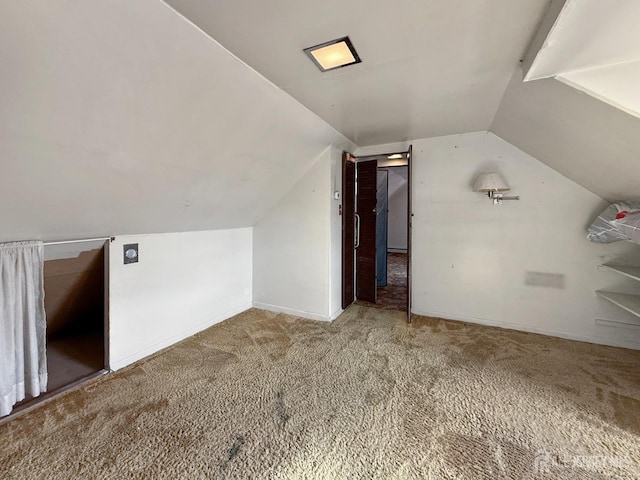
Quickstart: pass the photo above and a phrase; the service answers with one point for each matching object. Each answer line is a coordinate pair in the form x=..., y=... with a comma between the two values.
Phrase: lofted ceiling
x=594, y=144
x=578, y=35
x=588, y=126
x=593, y=46
x=428, y=68
x=120, y=117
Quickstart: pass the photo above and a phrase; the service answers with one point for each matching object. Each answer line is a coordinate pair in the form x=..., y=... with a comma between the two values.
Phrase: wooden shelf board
x=630, y=303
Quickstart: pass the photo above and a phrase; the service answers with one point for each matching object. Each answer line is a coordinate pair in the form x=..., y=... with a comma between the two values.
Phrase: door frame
x=348, y=235
x=409, y=231
x=409, y=153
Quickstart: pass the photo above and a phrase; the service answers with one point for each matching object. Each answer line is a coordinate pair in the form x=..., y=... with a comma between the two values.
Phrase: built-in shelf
x=627, y=271
x=626, y=301
x=630, y=303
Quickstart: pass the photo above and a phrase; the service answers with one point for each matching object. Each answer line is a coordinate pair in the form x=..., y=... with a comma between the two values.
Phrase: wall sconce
x=493, y=184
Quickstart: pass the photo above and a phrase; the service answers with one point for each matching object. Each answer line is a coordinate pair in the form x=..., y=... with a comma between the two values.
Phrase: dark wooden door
x=366, y=219
x=409, y=220
x=348, y=228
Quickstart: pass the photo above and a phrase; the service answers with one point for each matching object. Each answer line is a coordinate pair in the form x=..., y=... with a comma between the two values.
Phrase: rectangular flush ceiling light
x=334, y=54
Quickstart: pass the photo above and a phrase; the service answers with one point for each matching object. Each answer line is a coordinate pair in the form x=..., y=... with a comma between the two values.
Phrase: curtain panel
x=23, y=361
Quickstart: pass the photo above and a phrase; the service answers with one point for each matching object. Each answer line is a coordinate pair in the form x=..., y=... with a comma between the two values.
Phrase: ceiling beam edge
x=548, y=25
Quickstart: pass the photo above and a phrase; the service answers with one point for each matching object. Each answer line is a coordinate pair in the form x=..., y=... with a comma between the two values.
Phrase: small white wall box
x=130, y=253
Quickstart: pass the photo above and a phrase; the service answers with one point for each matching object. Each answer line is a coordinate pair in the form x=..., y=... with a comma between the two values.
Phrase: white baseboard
x=292, y=311
x=526, y=328
x=336, y=314
x=145, y=352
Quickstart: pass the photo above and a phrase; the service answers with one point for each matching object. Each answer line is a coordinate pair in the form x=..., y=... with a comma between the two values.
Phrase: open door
x=409, y=220
x=366, y=219
x=382, y=226
x=348, y=228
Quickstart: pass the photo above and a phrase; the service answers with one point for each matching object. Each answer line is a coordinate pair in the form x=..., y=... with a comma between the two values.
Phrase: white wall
x=397, y=219
x=335, y=303
x=292, y=248
x=474, y=261
x=182, y=284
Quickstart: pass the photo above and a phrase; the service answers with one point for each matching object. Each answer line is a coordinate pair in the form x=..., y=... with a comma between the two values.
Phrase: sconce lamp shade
x=490, y=182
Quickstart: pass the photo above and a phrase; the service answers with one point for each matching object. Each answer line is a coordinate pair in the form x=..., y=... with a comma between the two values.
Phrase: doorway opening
x=76, y=295
x=392, y=235
x=376, y=230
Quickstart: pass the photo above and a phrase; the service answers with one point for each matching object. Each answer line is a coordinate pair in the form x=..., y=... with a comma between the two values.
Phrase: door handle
x=357, y=225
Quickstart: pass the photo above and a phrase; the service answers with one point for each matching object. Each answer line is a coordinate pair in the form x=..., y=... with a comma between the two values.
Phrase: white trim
x=529, y=329
x=292, y=311
x=336, y=314
x=145, y=352
x=81, y=240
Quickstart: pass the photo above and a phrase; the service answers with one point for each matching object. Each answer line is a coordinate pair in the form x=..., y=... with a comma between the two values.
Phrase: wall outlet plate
x=130, y=251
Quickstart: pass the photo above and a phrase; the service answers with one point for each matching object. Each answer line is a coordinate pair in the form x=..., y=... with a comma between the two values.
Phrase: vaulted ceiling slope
x=592, y=143
x=121, y=117
x=428, y=68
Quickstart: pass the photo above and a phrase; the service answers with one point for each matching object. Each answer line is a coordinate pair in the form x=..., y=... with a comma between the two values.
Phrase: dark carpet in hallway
x=393, y=296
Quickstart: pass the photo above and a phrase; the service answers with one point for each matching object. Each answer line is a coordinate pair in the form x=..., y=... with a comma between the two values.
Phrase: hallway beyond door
x=394, y=295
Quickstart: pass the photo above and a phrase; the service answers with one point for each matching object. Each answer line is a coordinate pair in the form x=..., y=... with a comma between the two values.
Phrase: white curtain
x=23, y=361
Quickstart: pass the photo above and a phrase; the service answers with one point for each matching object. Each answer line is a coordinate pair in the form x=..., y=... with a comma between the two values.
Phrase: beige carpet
x=266, y=396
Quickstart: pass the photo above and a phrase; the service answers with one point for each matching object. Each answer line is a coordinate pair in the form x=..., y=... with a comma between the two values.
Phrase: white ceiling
x=593, y=46
x=584, y=34
x=615, y=84
x=588, y=141
x=428, y=67
x=120, y=117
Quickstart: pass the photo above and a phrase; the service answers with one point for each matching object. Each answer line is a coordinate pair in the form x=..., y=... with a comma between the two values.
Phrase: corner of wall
x=291, y=249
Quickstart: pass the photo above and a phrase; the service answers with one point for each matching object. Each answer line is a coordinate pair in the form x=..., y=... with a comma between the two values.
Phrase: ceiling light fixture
x=334, y=54
x=395, y=156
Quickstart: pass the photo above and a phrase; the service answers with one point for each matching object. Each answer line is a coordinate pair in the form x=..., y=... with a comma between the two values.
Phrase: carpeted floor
x=269, y=396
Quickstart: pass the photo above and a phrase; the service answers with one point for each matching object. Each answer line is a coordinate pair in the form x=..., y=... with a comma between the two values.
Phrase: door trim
x=348, y=235
x=409, y=229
